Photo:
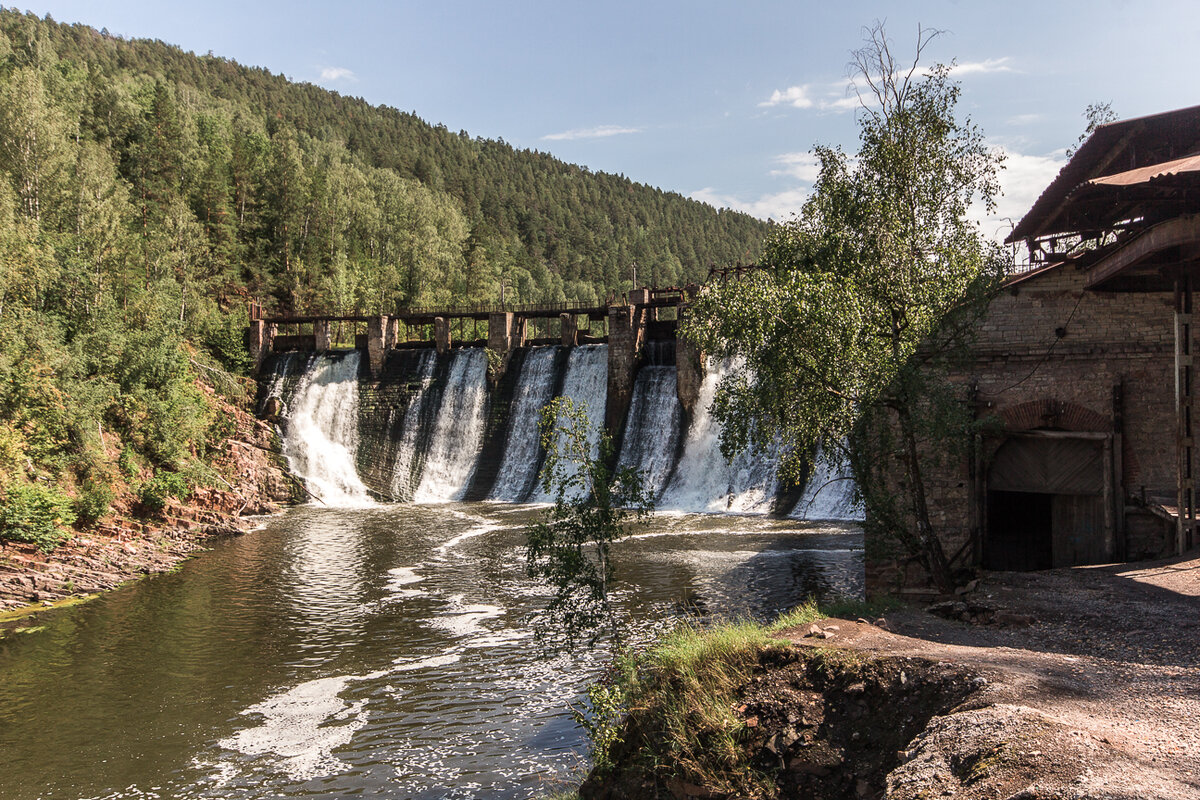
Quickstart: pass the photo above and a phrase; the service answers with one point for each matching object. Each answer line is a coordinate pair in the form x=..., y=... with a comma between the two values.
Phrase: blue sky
x=717, y=101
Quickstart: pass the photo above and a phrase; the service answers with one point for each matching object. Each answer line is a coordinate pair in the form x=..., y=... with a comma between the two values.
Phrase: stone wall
x=1050, y=355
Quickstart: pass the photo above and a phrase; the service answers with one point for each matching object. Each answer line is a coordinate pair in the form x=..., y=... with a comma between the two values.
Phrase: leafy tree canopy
x=863, y=294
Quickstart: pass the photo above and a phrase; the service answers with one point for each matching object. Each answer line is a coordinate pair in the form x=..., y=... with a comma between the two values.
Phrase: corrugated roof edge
x=1078, y=169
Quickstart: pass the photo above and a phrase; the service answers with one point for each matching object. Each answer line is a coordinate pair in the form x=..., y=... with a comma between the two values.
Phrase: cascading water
x=829, y=494
x=322, y=431
x=433, y=433
x=586, y=382
x=704, y=480
x=652, y=428
x=406, y=472
x=457, y=430
x=518, y=471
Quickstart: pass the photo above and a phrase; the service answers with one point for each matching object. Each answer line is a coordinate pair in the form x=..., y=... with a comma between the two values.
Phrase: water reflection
x=379, y=651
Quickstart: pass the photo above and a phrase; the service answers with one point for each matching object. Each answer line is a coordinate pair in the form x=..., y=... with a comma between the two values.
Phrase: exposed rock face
x=815, y=727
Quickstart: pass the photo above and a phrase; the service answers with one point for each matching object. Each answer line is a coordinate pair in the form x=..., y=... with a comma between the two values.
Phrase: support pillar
x=393, y=333
x=1185, y=407
x=262, y=342
x=441, y=335
x=569, y=328
x=499, y=341
x=377, y=330
x=689, y=372
x=322, y=336
x=626, y=333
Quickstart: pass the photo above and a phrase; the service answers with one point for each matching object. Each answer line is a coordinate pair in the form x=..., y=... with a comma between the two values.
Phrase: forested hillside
x=147, y=193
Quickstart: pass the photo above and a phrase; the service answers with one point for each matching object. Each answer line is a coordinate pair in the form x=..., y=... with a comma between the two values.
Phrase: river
x=381, y=651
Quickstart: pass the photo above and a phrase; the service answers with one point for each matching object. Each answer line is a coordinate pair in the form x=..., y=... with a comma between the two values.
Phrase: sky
x=719, y=101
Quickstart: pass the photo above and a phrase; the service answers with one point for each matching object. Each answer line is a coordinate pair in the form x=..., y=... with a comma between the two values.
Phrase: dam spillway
x=434, y=427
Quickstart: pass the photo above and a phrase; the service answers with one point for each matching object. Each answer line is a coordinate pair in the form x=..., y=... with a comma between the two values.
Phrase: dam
x=436, y=406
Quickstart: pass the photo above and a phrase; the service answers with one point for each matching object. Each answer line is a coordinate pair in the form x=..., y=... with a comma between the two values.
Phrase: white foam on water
x=498, y=638
x=479, y=530
x=403, y=576
x=303, y=726
x=399, y=579
x=464, y=620
x=432, y=662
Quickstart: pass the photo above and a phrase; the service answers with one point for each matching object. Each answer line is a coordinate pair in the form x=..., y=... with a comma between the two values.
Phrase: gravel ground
x=1093, y=685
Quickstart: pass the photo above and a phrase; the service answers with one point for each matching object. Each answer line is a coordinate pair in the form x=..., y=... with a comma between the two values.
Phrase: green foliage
x=129, y=463
x=495, y=362
x=1096, y=114
x=153, y=494
x=681, y=699
x=37, y=514
x=869, y=294
x=570, y=548
x=93, y=503
x=147, y=194
x=603, y=718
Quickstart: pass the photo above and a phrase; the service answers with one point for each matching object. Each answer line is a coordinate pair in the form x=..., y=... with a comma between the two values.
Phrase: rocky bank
x=126, y=545
x=1067, y=684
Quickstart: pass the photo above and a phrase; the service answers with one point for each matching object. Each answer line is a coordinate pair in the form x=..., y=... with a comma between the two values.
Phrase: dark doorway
x=1020, y=531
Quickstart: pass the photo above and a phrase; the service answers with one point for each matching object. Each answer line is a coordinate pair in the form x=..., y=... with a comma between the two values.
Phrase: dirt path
x=1092, y=685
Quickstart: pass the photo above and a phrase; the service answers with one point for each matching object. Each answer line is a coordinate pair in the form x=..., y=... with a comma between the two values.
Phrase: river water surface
x=383, y=651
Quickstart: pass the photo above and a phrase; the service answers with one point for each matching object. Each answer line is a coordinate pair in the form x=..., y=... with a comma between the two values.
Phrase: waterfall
x=586, y=382
x=829, y=493
x=322, y=431
x=424, y=422
x=535, y=388
x=406, y=472
x=704, y=480
x=652, y=429
x=456, y=435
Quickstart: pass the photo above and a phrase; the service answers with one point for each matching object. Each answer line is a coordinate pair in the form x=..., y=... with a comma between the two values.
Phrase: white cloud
x=988, y=65
x=337, y=74
x=840, y=96
x=779, y=206
x=795, y=96
x=827, y=97
x=1024, y=119
x=802, y=166
x=599, y=132
x=1022, y=180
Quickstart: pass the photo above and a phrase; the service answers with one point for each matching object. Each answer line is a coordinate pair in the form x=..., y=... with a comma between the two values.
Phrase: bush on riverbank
x=36, y=514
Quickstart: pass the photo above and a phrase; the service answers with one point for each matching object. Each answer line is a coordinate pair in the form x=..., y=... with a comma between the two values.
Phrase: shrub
x=130, y=463
x=154, y=492
x=93, y=502
x=37, y=514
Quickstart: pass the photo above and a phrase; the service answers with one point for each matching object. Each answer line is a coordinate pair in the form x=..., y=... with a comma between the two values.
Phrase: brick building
x=1084, y=362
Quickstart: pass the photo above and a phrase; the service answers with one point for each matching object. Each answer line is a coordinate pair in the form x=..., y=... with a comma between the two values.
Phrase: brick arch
x=1051, y=413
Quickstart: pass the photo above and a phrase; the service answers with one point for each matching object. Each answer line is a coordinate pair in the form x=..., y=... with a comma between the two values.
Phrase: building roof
x=1119, y=154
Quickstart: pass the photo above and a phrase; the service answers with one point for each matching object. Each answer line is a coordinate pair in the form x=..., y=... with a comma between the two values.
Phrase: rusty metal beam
x=1176, y=232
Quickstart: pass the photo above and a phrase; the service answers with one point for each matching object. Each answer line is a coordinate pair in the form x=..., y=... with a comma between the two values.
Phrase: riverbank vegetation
x=677, y=717
x=865, y=299
x=146, y=194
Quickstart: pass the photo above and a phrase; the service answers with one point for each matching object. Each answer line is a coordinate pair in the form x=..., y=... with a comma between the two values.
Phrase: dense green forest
x=147, y=193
